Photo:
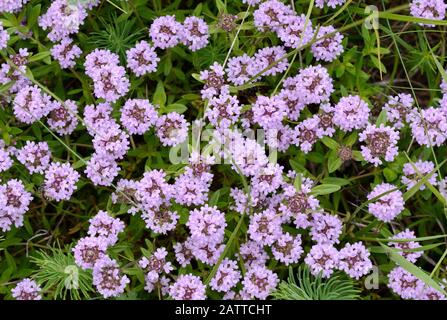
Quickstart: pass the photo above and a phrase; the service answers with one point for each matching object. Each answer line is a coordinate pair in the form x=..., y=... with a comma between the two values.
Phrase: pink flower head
x=325, y=228
x=65, y=53
x=295, y=31
x=60, y=181
x=35, y=156
x=63, y=117
x=268, y=179
x=329, y=3
x=414, y=172
x=89, y=250
x=307, y=133
x=142, y=59
x=388, y=206
x=172, y=129
x=107, y=278
x=153, y=190
x=273, y=58
x=97, y=59
x=399, y=109
x=293, y=99
x=253, y=254
x=328, y=48
x=259, y=282
x=14, y=203
x=350, y=113
x=207, y=224
x=322, y=258
x=226, y=277
x=299, y=205
x=188, y=287
x=161, y=219
x=429, y=128
x=241, y=69
x=269, y=112
x=62, y=19
x=165, y=32
x=195, y=33
x=156, y=264
x=12, y=6
x=5, y=160
x=381, y=143
x=125, y=193
x=265, y=227
x=404, y=284
x=428, y=9
x=138, y=115
x=314, y=84
x=287, y=249
x=214, y=81
x=105, y=226
x=271, y=15
x=223, y=110
x=4, y=36
x=95, y=115
x=30, y=104
x=110, y=140
x=27, y=289
x=354, y=260
x=406, y=245
x=183, y=252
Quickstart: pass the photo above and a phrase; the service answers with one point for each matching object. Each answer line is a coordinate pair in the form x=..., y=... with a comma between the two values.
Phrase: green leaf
x=382, y=118
x=336, y=181
x=214, y=198
x=325, y=189
x=221, y=6
x=40, y=56
x=160, y=95
x=176, y=107
x=330, y=143
x=389, y=174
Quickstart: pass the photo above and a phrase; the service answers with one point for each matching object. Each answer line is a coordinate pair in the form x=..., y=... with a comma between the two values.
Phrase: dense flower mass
x=219, y=150
x=386, y=202
x=27, y=289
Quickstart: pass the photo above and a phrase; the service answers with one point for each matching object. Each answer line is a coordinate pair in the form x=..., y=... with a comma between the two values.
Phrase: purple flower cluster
x=27, y=289
x=4, y=37
x=109, y=78
x=154, y=266
x=389, y=203
x=329, y=47
x=350, y=113
x=172, y=129
x=330, y=3
x=226, y=277
x=104, y=226
x=188, y=287
x=381, y=142
x=428, y=9
x=35, y=157
x=107, y=277
x=414, y=172
x=12, y=6
x=62, y=19
x=66, y=52
x=60, y=181
x=63, y=117
x=30, y=104
x=15, y=71
x=406, y=244
x=142, y=59
x=14, y=203
x=138, y=115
